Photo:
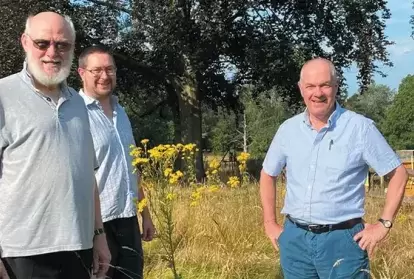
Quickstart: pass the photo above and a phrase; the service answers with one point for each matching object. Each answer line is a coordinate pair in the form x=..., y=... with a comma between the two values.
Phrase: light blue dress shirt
x=117, y=184
x=326, y=170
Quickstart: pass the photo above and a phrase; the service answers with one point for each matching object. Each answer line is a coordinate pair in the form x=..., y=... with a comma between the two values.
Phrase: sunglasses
x=45, y=44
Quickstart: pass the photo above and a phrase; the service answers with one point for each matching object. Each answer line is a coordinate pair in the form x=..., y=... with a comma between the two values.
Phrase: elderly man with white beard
x=50, y=218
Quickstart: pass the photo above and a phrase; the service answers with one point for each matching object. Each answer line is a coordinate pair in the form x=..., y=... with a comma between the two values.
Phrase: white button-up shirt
x=117, y=183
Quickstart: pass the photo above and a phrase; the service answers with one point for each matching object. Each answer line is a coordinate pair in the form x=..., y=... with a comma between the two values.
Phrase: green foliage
x=263, y=117
x=257, y=122
x=373, y=103
x=224, y=135
x=163, y=48
x=157, y=127
x=398, y=126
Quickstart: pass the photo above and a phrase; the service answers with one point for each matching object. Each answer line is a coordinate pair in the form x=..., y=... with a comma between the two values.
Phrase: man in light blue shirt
x=327, y=151
x=118, y=185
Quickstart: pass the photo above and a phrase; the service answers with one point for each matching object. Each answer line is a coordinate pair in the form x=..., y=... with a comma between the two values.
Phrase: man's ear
x=300, y=88
x=81, y=72
x=24, y=41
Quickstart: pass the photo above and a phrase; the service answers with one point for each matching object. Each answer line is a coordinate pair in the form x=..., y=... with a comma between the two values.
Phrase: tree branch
x=110, y=5
x=151, y=110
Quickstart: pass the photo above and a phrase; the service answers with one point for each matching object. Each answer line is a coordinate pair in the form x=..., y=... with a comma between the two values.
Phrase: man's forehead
x=317, y=73
x=99, y=59
x=41, y=29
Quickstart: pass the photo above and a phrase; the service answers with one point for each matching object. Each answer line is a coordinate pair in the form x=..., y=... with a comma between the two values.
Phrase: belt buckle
x=314, y=228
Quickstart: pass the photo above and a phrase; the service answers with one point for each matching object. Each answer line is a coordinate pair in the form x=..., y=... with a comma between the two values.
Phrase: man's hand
x=273, y=231
x=371, y=236
x=148, y=229
x=3, y=272
x=101, y=256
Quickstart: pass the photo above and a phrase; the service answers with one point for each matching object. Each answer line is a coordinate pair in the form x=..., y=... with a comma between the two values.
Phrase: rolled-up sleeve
x=377, y=153
x=275, y=159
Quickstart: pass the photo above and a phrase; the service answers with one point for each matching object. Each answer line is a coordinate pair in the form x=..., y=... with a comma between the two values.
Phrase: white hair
x=67, y=18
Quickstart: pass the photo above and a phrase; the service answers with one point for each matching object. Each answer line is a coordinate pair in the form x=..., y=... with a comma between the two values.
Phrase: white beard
x=49, y=80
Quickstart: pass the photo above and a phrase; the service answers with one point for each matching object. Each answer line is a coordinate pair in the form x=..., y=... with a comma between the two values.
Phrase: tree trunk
x=190, y=116
x=173, y=103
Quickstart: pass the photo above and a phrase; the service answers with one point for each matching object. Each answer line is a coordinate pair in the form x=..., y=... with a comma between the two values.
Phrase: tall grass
x=223, y=238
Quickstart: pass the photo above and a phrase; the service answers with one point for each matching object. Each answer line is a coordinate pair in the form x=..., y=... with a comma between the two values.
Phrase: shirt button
x=48, y=99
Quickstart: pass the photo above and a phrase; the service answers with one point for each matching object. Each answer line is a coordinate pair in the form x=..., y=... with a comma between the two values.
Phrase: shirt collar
x=91, y=101
x=27, y=77
x=332, y=118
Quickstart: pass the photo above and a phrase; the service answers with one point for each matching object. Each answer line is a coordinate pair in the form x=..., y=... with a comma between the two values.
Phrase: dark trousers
x=60, y=265
x=124, y=241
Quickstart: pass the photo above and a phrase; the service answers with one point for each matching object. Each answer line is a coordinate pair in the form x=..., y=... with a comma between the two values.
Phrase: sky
x=401, y=54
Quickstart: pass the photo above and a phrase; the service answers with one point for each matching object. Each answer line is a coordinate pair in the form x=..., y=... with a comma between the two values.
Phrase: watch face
x=387, y=224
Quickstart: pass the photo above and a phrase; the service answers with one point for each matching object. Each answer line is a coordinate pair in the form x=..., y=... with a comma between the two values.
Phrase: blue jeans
x=330, y=255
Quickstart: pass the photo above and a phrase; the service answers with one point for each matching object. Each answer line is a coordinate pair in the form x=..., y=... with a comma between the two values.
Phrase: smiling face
x=48, y=43
x=318, y=87
x=98, y=75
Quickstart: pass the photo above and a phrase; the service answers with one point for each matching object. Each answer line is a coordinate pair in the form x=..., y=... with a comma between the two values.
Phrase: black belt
x=315, y=228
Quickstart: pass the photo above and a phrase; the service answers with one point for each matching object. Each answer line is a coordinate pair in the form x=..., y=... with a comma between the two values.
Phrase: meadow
x=216, y=231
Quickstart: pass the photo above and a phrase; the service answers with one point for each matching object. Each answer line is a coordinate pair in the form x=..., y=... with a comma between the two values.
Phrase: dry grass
x=223, y=238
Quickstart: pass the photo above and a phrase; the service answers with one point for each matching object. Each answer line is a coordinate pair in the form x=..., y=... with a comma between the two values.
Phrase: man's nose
x=104, y=74
x=318, y=91
x=51, y=51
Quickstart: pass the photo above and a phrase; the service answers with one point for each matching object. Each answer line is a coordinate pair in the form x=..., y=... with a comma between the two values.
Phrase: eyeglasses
x=110, y=71
x=45, y=44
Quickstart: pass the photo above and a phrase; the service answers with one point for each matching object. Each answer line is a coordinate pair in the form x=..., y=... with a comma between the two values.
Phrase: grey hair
x=68, y=21
x=332, y=68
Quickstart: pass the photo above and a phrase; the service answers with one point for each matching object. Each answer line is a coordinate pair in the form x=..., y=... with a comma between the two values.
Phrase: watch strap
x=384, y=222
x=98, y=231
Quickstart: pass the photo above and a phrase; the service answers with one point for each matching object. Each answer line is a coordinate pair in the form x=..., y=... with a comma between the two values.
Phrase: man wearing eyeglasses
x=47, y=165
x=117, y=184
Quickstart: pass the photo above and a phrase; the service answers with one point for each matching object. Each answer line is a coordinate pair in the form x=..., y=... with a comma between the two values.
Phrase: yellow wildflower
x=233, y=182
x=175, y=177
x=167, y=172
x=189, y=147
x=142, y=204
x=213, y=188
x=243, y=157
x=214, y=164
x=135, y=151
x=139, y=161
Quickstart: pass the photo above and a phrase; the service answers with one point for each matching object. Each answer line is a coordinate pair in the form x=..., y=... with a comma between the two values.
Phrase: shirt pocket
x=337, y=158
x=336, y=164
x=341, y=163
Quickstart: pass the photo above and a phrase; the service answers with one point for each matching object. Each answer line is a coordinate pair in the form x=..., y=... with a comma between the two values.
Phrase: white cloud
x=401, y=47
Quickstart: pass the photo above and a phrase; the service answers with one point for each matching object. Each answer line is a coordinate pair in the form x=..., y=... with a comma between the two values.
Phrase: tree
x=373, y=103
x=398, y=126
x=182, y=51
x=251, y=129
x=264, y=115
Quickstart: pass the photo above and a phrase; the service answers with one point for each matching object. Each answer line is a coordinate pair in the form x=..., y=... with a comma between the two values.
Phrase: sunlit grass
x=223, y=237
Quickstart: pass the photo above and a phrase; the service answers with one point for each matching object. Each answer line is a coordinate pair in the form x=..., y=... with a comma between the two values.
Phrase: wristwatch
x=98, y=232
x=386, y=223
